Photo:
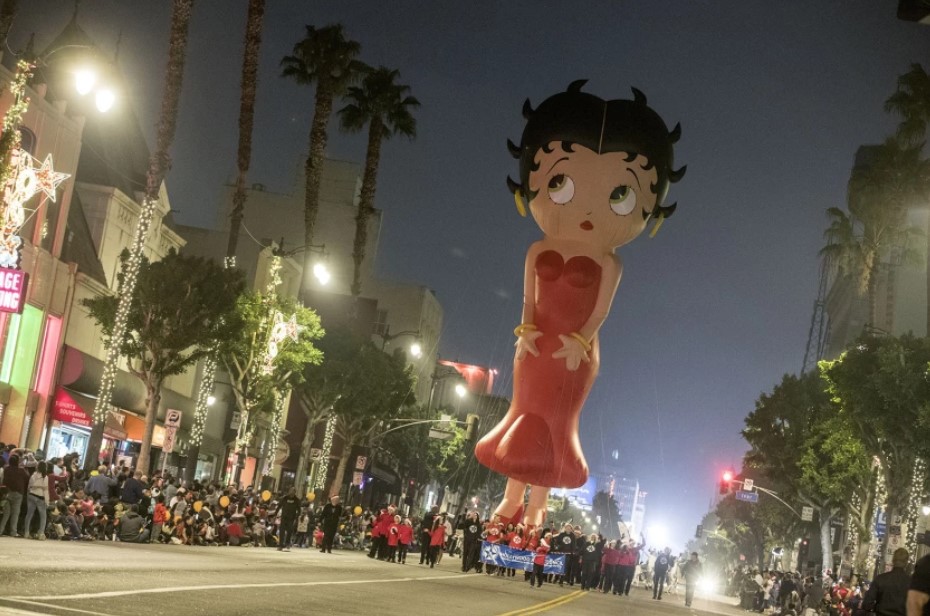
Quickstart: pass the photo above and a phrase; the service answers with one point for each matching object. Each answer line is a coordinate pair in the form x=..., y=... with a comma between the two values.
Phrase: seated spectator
x=132, y=527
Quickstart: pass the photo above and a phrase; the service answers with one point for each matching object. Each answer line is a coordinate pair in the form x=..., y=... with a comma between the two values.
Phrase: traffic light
x=699, y=532
x=803, y=549
x=471, y=426
x=725, y=482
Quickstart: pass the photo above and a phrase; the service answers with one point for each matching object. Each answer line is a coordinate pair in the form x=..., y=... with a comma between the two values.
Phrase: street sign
x=747, y=497
x=748, y=484
x=173, y=419
x=442, y=435
x=807, y=514
x=168, y=445
x=358, y=478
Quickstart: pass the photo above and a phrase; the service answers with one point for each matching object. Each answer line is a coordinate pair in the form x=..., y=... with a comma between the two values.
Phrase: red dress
x=537, y=441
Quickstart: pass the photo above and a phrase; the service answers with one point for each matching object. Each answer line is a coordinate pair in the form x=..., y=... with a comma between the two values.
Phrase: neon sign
x=12, y=289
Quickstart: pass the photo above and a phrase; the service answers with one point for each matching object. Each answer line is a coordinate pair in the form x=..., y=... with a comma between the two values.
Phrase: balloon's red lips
x=587, y=226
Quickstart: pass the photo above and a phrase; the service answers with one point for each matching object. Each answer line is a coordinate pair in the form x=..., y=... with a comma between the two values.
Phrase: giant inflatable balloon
x=593, y=173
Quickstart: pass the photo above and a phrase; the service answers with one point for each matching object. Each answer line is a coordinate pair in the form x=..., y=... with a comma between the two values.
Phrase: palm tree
x=253, y=42
x=384, y=106
x=326, y=58
x=911, y=101
x=159, y=163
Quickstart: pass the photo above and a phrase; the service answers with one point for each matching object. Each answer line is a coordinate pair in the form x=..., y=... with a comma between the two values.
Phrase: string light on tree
x=203, y=400
x=10, y=137
x=916, y=500
x=320, y=481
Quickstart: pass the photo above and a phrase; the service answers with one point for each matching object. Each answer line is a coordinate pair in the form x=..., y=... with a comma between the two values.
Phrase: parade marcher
x=404, y=540
x=887, y=596
x=290, y=508
x=471, y=541
x=437, y=540
x=426, y=529
x=539, y=560
x=393, y=538
x=664, y=562
x=692, y=570
x=564, y=543
x=590, y=561
x=385, y=519
x=329, y=518
x=626, y=568
x=610, y=560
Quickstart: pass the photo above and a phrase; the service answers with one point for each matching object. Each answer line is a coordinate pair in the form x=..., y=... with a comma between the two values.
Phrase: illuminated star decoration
x=280, y=331
x=26, y=180
x=48, y=179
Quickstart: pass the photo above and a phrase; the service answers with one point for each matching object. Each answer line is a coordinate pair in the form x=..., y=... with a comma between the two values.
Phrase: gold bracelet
x=584, y=343
x=519, y=330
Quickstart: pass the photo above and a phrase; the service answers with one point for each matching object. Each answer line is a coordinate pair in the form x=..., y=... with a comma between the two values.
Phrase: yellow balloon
x=357, y=510
x=266, y=495
x=94, y=473
x=198, y=505
x=342, y=527
x=224, y=501
x=311, y=496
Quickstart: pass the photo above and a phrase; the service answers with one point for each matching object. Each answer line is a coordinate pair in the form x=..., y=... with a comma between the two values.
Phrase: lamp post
x=416, y=349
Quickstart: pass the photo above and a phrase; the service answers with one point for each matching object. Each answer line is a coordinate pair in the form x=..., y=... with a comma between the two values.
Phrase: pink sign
x=12, y=289
x=66, y=410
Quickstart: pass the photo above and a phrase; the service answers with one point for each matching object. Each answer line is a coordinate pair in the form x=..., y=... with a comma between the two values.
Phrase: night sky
x=773, y=98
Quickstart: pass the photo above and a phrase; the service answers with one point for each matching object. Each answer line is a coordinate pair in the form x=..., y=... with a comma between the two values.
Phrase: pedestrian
x=133, y=489
x=329, y=518
x=539, y=560
x=692, y=570
x=664, y=562
x=38, y=500
x=132, y=527
x=289, y=507
x=610, y=560
x=16, y=481
x=303, y=527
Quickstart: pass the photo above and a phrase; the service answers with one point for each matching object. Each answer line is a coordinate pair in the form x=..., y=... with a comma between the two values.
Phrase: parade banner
x=504, y=556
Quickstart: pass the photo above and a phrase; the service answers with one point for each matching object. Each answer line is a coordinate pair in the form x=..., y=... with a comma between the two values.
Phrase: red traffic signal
x=728, y=475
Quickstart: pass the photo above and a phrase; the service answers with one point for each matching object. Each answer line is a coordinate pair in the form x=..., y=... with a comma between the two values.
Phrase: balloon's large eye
x=561, y=189
x=622, y=200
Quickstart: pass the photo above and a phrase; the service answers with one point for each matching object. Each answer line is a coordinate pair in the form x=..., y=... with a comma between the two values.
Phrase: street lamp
x=416, y=349
x=321, y=273
x=84, y=81
x=104, y=100
x=460, y=390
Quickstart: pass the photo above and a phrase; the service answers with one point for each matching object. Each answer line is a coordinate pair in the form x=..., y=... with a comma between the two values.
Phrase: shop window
x=27, y=140
x=49, y=356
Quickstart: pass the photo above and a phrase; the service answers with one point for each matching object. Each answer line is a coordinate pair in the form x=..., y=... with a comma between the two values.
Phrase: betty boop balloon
x=593, y=173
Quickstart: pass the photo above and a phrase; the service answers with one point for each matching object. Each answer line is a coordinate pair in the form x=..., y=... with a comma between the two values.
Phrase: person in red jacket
x=539, y=561
x=517, y=542
x=626, y=567
x=393, y=537
x=405, y=538
x=609, y=562
x=493, y=533
x=159, y=517
x=385, y=519
x=437, y=538
x=376, y=535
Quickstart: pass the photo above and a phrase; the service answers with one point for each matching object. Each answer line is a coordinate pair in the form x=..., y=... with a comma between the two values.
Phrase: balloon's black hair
x=576, y=117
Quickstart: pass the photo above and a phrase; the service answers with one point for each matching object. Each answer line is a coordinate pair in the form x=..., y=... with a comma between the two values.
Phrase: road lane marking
x=546, y=605
x=145, y=591
x=57, y=607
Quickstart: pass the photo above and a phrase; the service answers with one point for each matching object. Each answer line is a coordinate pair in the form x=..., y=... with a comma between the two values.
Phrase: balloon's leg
x=511, y=507
x=536, y=509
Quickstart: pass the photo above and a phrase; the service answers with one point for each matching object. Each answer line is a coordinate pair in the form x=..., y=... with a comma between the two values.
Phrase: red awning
x=68, y=410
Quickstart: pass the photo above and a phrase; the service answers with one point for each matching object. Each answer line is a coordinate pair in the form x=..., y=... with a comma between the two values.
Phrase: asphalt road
x=69, y=578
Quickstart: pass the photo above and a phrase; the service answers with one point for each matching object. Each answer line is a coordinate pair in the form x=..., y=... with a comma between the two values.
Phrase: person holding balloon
x=593, y=173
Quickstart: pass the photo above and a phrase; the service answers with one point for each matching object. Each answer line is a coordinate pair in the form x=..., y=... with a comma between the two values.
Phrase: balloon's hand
x=526, y=343
x=572, y=351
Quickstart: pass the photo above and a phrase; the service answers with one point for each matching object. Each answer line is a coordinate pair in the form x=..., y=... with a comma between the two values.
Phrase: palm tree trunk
x=927, y=332
x=890, y=294
x=313, y=170
x=7, y=13
x=872, y=295
x=253, y=42
x=159, y=164
x=153, y=398
x=304, y=458
x=366, y=201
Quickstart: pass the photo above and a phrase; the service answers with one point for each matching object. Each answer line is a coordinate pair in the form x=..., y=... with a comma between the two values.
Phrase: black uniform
x=564, y=543
x=471, y=543
x=330, y=522
x=590, y=563
x=290, y=507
